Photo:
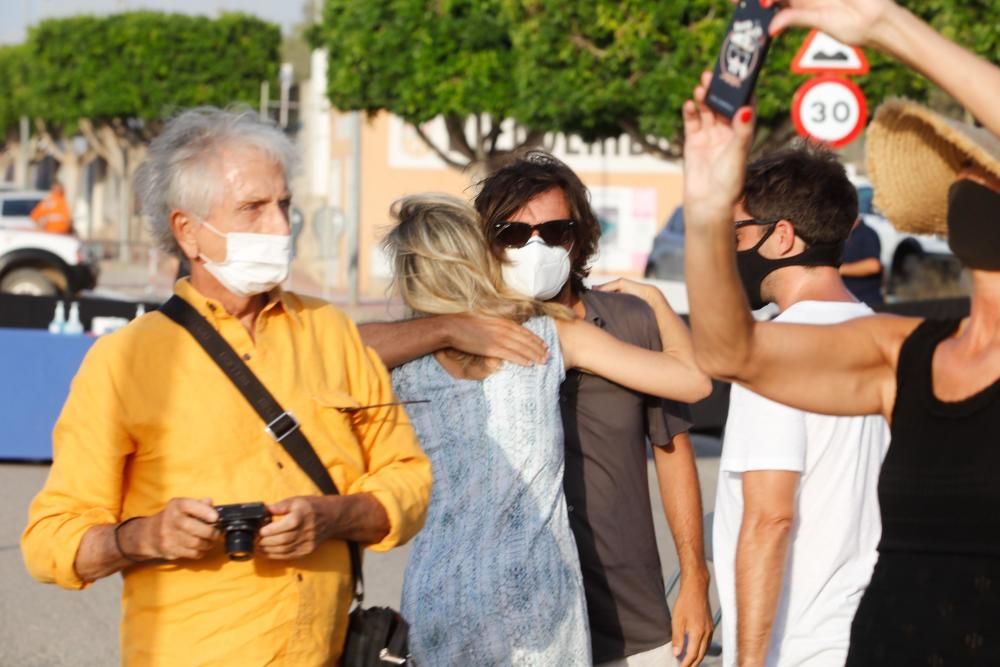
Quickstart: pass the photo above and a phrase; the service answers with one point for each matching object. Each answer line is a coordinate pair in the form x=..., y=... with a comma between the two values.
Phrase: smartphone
x=741, y=58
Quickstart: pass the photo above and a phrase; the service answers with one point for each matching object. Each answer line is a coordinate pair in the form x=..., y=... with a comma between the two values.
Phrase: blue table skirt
x=36, y=369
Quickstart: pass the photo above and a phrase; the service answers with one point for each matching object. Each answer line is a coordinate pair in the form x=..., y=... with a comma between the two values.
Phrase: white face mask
x=537, y=270
x=254, y=264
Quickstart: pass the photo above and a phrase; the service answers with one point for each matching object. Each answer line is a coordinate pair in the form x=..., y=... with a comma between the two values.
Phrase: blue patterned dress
x=493, y=577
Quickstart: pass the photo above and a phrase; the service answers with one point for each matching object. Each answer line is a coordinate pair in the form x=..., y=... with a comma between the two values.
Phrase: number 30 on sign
x=829, y=109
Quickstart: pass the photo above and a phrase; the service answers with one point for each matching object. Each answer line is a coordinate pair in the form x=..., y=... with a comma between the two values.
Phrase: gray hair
x=179, y=172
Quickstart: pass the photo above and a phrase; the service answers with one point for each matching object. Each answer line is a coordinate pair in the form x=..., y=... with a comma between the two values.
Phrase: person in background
x=861, y=268
x=606, y=426
x=52, y=214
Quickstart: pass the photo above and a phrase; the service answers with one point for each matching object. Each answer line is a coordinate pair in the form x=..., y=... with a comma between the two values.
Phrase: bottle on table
x=73, y=326
x=59, y=320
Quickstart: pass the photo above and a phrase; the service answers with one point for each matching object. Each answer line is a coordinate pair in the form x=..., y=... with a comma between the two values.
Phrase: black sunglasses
x=751, y=222
x=517, y=234
x=754, y=222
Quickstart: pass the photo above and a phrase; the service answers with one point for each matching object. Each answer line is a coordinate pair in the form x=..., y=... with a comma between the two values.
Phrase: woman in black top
x=934, y=598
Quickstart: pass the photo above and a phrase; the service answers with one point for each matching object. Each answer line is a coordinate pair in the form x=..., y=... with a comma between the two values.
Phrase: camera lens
x=239, y=541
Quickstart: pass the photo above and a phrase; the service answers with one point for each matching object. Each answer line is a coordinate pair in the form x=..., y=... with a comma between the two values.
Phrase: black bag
x=376, y=637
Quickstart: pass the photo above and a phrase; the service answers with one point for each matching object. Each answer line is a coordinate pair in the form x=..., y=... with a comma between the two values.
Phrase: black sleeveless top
x=940, y=484
x=934, y=596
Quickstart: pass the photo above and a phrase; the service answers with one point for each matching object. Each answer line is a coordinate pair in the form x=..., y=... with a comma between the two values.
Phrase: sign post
x=829, y=108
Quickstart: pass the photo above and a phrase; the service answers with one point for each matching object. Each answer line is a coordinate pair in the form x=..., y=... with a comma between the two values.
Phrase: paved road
x=44, y=626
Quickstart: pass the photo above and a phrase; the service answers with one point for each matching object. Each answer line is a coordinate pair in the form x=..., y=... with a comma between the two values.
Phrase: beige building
x=632, y=192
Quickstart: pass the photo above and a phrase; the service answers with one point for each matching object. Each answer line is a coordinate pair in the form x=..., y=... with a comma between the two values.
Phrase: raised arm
x=847, y=369
x=884, y=25
x=399, y=342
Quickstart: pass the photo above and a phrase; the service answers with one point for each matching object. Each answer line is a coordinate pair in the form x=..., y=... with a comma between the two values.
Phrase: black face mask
x=974, y=225
x=753, y=267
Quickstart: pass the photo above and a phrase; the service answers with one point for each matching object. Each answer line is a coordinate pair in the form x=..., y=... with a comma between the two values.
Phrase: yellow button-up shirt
x=151, y=417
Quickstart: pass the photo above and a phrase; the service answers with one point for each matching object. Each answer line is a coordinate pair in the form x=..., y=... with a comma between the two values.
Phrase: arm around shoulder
x=400, y=342
x=397, y=343
x=595, y=351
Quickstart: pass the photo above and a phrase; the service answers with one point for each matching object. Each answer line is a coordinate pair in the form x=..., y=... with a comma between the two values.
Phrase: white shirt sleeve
x=762, y=435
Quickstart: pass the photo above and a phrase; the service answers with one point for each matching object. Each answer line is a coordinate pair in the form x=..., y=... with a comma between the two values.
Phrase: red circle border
x=829, y=78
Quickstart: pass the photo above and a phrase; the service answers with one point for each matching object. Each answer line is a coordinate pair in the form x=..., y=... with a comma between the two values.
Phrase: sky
x=16, y=15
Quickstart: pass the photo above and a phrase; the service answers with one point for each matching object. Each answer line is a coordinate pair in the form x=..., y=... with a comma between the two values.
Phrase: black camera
x=240, y=523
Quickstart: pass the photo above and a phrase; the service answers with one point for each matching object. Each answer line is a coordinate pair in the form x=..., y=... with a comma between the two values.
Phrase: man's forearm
x=358, y=517
x=99, y=556
x=397, y=343
x=862, y=268
x=680, y=493
x=760, y=563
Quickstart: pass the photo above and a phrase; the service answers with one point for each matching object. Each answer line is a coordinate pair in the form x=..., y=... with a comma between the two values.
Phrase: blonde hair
x=442, y=265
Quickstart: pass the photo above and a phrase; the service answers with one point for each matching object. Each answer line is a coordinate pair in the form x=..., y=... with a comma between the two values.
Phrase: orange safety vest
x=52, y=214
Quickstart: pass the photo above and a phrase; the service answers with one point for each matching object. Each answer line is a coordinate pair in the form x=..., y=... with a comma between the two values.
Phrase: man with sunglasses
x=538, y=221
x=796, y=512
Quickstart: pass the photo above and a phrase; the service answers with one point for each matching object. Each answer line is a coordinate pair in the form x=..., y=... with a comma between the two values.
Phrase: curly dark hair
x=529, y=174
x=807, y=186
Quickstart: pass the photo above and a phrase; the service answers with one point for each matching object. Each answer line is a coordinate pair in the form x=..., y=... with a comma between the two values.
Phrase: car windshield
x=18, y=207
x=675, y=225
x=865, y=196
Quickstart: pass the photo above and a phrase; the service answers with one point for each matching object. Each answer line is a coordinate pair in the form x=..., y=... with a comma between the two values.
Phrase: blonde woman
x=494, y=578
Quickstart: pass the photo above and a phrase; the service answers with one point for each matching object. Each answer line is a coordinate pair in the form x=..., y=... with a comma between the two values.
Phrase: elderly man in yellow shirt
x=154, y=435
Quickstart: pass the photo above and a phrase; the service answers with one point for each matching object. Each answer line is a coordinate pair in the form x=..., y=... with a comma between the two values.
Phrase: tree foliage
x=139, y=65
x=421, y=59
x=597, y=68
x=14, y=83
x=112, y=79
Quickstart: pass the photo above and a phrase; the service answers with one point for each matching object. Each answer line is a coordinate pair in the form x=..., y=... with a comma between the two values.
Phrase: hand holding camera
x=190, y=529
x=288, y=529
x=300, y=525
x=185, y=528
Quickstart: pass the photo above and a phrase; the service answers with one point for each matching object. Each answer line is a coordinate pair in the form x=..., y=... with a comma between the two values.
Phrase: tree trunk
x=479, y=153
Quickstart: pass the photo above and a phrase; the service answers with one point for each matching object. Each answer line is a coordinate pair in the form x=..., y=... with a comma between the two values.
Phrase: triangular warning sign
x=822, y=53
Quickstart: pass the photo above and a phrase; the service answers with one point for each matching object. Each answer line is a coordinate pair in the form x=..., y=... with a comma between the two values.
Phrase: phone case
x=741, y=58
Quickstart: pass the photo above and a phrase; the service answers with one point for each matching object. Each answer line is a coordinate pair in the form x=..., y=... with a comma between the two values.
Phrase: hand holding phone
x=741, y=58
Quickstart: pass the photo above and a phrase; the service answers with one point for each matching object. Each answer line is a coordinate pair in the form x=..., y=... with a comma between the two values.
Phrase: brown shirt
x=606, y=484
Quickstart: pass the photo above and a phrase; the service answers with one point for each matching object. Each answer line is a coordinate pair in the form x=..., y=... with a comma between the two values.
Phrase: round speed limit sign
x=829, y=109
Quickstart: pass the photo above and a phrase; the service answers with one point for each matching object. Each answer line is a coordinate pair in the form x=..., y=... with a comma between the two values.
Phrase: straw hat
x=913, y=156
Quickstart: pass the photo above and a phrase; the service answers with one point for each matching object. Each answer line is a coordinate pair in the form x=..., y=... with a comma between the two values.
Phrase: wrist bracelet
x=118, y=543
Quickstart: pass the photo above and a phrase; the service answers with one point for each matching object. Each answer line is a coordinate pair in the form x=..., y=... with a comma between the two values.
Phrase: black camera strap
x=280, y=424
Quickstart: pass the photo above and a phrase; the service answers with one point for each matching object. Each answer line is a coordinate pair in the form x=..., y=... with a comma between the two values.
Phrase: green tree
x=112, y=79
x=14, y=82
x=596, y=68
x=422, y=59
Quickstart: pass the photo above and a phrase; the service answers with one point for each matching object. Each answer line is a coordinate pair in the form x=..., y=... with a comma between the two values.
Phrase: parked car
x=43, y=264
x=16, y=207
x=902, y=252
x=666, y=259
